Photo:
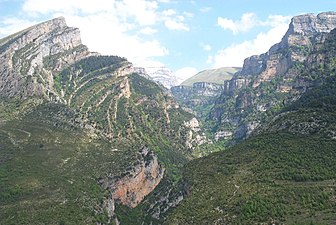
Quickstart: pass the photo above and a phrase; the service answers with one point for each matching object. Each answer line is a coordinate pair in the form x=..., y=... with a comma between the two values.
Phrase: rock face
x=199, y=96
x=198, y=90
x=270, y=80
x=194, y=138
x=25, y=57
x=136, y=183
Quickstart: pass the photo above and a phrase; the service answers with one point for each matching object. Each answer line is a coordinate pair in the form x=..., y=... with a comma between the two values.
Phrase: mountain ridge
x=88, y=138
x=269, y=81
x=131, y=132
x=217, y=76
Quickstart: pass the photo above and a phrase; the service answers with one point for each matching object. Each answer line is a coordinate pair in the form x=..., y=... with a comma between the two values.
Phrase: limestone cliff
x=46, y=70
x=198, y=97
x=28, y=57
x=304, y=31
x=271, y=80
x=133, y=185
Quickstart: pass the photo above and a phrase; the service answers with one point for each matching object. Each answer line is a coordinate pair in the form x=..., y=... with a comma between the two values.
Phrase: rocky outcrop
x=193, y=137
x=137, y=182
x=304, y=31
x=236, y=83
x=28, y=57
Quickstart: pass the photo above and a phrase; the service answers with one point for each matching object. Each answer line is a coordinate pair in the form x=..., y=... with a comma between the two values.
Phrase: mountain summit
x=28, y=57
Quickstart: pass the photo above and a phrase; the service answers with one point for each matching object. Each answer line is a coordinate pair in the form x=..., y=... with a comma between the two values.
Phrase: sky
x=186, y=36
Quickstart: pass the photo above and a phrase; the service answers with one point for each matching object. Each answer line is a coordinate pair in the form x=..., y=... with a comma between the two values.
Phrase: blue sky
x=186, y=35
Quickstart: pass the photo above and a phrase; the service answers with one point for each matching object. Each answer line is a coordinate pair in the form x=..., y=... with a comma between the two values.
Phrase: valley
x=91, y=139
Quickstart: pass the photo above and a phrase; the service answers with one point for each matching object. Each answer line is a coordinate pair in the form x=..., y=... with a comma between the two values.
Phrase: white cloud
x=235, y=54
x=115, y=40
x=184, y=73
x=142, y=11
x=109, y=26
x=206, y=47
x=249, y=21
x=176, y=25
x=148, y=30
x=205, y=9
x=169, y=12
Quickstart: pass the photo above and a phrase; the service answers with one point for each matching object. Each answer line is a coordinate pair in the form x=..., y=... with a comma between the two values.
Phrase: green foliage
x=49, y=169
x=275, y=178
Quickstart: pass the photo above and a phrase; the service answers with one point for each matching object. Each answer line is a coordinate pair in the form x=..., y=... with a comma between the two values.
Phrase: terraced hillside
x=82, y=134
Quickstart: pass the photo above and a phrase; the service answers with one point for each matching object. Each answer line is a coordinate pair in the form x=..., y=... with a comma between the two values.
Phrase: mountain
x=200, y=97
x=284, y=173
x=84, y=137
x=270, y=81
x=89, y=139
x=200, y=91
x=217, y=76
x=162, y=75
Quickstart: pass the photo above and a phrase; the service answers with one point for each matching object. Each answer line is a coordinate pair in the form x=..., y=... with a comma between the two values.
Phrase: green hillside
x=213, y=76
x=273, y=178
x=284, y=175
x=52, y=155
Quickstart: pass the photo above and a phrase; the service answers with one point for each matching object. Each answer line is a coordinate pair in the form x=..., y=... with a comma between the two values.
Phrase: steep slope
x=274, y=178
x=270, y=81
x=217, y=76
x=84, y=132
x=284, y=173
x=200, y=91
x=24, y=58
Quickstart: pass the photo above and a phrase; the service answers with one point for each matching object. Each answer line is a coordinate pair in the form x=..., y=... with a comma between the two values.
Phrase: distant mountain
x=217, y=76
x=201, y=90
x=162, y=75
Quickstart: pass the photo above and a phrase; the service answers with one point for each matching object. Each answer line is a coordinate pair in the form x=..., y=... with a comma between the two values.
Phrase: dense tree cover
x=275, y=178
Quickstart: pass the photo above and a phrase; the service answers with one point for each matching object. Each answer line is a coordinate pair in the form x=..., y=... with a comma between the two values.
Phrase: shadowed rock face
x=25, y=58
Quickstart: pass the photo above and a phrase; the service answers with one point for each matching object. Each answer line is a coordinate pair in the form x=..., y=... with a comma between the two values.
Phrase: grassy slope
x=213, y=76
